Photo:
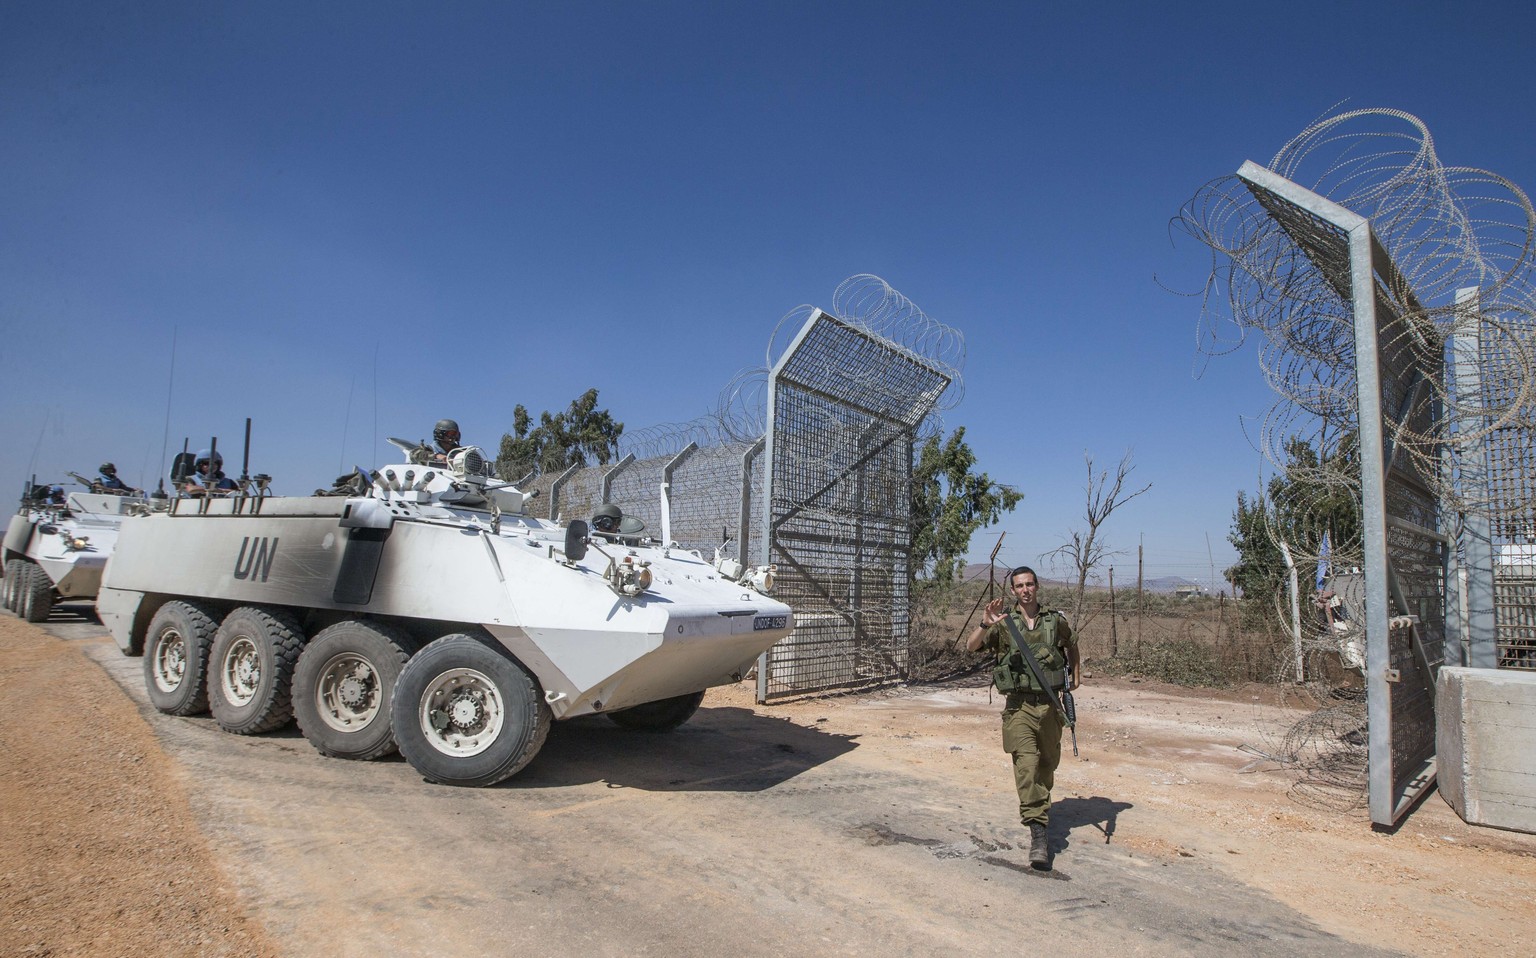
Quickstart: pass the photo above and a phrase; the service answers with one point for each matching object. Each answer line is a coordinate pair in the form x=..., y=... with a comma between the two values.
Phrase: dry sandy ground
x=101, y=852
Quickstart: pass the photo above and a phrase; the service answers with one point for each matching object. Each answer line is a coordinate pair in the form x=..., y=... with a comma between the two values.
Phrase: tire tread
x=199, y=641
x=286, y=639
x=314, y=727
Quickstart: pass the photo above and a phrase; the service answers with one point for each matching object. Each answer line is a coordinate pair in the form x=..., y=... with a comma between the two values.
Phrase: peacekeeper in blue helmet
x=109, y=481
x=207, y=476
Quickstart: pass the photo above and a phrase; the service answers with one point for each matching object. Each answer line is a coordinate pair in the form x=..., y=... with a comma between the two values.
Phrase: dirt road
x=879, y=824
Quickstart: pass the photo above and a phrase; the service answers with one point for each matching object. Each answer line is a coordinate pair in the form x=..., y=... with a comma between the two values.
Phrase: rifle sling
x=1034, y=667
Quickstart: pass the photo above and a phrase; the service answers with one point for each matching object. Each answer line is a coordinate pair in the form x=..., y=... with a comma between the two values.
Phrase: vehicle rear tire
x=250, y=670
x=176, y=658
x=467, y=713
x=37, y=594
x=344, y=686
x=663, y=715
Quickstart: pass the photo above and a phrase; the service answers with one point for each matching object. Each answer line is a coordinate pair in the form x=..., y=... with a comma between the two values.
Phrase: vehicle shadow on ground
x=719, y=749
x=1098, y=812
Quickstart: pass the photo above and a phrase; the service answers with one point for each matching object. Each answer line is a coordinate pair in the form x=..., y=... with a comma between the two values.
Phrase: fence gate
x=1398, y=363
x=843, y=408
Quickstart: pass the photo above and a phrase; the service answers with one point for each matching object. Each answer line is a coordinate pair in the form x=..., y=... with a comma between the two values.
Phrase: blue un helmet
x=209, y=456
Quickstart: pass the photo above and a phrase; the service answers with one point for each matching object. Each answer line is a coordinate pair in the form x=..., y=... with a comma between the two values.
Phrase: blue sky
x=355, y=218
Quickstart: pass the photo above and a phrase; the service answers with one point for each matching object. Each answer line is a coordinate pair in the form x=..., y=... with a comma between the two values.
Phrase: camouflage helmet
x=446, y=430
x=107, y=469
x=606, y=517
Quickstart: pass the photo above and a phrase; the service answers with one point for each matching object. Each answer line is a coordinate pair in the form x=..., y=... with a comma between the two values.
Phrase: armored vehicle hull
x=57, y=552
x=429, y=614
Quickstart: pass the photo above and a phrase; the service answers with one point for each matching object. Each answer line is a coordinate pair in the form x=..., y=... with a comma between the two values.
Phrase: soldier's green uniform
x=1031, y=726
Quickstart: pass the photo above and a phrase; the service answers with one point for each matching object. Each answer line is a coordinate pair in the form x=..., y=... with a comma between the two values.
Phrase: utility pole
x=991, y=587
x=1114, y=638
x=1141, y=604
x=992, y=565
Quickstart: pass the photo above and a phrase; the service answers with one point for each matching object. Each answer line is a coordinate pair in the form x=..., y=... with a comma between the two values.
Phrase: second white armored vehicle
x=427, y=611
x=57, y=545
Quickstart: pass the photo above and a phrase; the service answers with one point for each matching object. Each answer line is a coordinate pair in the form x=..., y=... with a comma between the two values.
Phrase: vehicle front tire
x=250, y=670
x=176, y=658
x=12, y=576
x=344, y=687
x=467, y=713
x=37, y=594
x=663, y=715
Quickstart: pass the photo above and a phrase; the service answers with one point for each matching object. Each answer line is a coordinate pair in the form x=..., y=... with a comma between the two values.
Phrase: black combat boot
x=1039, y=847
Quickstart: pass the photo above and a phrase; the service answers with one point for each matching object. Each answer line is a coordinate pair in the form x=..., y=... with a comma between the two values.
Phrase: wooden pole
x=1114, y=638
x=1141, y=604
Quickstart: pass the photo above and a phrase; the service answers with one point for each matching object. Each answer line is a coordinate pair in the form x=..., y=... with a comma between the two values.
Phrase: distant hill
x=1166, y=584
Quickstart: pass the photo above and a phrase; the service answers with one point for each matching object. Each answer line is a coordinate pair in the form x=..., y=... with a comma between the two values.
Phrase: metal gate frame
x=1406, y=548
x=844, y=405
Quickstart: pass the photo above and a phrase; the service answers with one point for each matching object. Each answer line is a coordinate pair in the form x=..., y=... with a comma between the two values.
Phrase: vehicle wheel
x=37, y=594
x=12, y=574
x=8, y=587
x=344, y=685
x=176, y=658
x=250, y=670
x=19, y=576
x=467, y=713
x=663, y=715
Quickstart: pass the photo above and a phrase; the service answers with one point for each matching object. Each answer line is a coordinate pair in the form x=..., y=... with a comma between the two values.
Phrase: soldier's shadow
x=1098, y=812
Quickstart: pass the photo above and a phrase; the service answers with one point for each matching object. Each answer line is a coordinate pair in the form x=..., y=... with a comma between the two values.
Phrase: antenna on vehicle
x=245, y=465
x=346, y=423
x=165, y=440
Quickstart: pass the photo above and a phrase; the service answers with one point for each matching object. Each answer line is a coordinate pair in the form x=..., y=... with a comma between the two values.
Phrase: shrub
x=1178, y=661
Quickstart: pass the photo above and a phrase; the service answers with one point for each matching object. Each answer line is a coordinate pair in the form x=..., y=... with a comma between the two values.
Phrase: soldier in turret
x=446, y=435
x=207, y=476
x=1032, y=722
x=109, y=481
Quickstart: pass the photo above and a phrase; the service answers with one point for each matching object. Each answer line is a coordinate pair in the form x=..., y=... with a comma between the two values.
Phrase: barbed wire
x=1284, y=274
x=1445, y=228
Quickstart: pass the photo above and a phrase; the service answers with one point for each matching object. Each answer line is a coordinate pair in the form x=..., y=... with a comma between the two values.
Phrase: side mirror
x=576, y=540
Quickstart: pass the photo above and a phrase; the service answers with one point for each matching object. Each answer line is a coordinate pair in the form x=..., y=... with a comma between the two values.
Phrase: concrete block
x=1485, y=737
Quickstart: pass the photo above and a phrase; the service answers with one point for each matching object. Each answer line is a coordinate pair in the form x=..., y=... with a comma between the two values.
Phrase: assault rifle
x=1069, y=707
x=1063, y=705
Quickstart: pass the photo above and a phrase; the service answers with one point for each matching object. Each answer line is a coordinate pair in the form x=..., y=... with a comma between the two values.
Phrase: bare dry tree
x=1084, y=550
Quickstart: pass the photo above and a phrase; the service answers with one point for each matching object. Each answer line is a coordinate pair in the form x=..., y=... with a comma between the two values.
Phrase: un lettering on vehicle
x=255, y=559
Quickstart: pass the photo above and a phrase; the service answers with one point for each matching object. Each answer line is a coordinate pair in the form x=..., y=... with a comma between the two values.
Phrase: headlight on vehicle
x=630, y=578
x=761, y=578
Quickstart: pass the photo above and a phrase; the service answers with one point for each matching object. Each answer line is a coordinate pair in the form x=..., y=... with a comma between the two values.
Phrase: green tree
x=1315, y=496
x=950, y=501
x=1259, y=568
x=560, y=440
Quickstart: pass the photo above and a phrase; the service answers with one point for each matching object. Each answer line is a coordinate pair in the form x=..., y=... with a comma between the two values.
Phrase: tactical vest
x=1012, y=673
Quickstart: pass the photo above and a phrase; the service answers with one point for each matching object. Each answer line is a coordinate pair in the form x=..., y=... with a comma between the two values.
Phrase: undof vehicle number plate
x=769, y=622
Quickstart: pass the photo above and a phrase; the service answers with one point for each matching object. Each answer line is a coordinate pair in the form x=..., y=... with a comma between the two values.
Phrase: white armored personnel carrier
x=57, y=545
x=427, y=610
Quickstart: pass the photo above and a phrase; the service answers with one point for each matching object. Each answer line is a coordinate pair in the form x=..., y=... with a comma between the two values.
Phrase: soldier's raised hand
x=993, y=613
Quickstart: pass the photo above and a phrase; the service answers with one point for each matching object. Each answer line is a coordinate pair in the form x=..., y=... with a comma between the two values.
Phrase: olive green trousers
x=1032, y=735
